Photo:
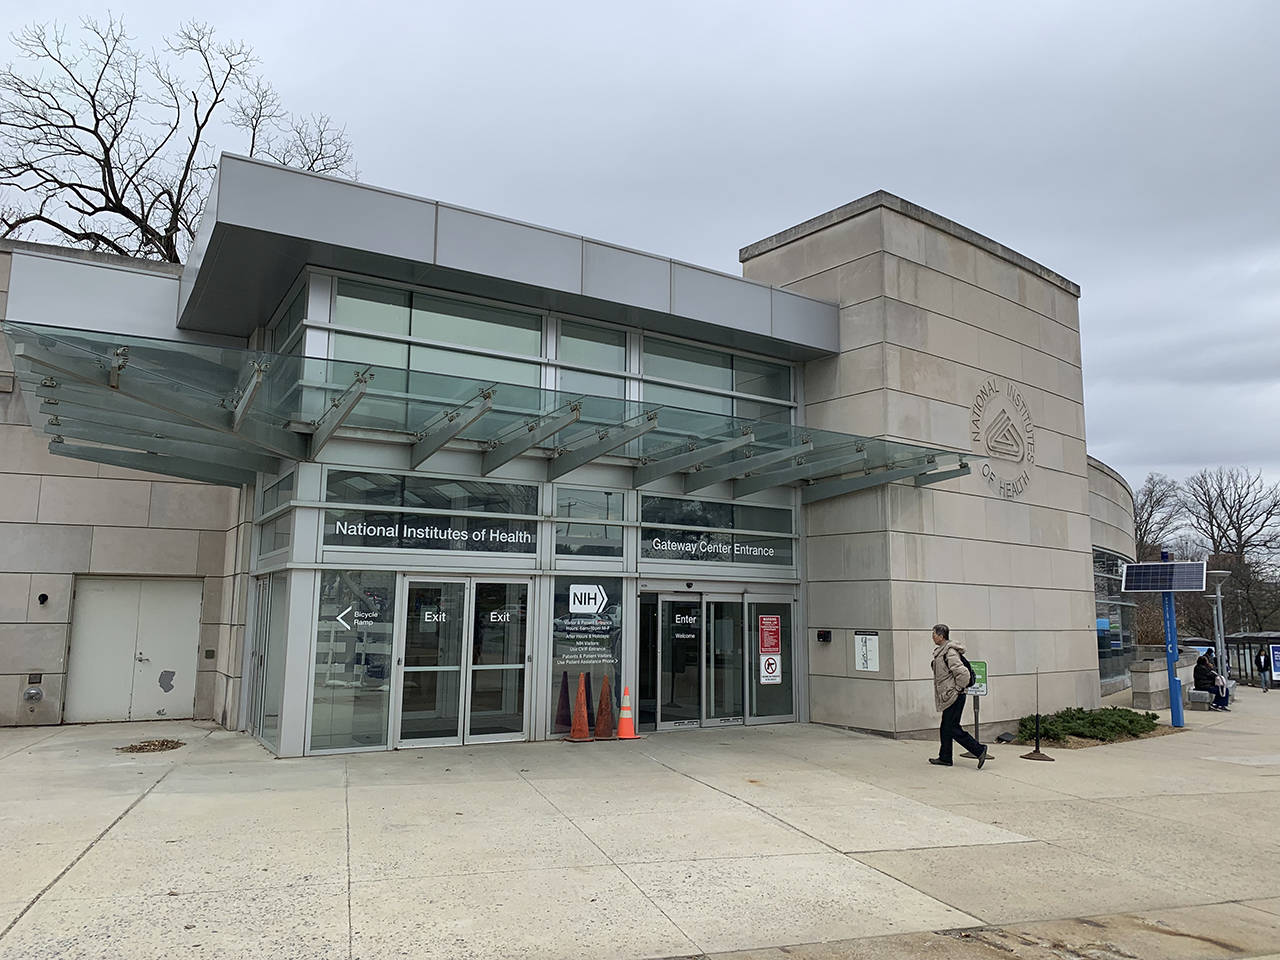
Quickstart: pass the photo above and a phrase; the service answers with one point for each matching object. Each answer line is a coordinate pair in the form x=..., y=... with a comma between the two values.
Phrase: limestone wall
x=949, y=340
x=1111, y=510
x=61, y=518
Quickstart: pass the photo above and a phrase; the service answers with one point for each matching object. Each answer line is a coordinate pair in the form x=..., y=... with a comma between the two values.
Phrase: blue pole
x=1171, y=659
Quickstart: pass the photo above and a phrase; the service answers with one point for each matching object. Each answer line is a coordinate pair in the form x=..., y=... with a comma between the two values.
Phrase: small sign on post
x=979, y=689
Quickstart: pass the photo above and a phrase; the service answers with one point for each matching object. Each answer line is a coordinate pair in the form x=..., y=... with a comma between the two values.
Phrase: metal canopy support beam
x=607, y=439
x=339, y=409
x=152, y=463
x=657, y=469
x=827, y=489
x=801, y=471
x=247, y=395
x=739, y=468
x=192, y=451
x=937, y=477
x=534, y=433
x=435, y=433
x=78, y=414
x=270, y=438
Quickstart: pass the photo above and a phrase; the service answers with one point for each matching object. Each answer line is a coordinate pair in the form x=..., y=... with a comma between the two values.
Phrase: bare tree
x=106, y=147
x=1237, y=516
x=1157, y=515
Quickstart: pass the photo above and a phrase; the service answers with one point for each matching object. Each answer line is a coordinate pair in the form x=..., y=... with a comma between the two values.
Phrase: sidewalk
x=682, y=844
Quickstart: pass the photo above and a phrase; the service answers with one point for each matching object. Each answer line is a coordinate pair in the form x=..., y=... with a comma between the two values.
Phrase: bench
x=1201, y=699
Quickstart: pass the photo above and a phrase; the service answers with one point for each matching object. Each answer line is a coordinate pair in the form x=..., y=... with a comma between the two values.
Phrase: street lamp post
x=1217, y=577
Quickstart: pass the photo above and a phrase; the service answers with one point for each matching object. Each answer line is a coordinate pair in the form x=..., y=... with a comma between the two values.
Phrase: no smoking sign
x=771, y=669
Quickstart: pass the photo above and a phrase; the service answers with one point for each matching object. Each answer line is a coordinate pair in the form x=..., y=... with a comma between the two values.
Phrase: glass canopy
x=223, y=414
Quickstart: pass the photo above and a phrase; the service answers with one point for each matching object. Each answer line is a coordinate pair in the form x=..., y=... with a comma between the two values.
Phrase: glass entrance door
x=772, y=673
x=680, y=662
x=462, y=676
x=724, y=660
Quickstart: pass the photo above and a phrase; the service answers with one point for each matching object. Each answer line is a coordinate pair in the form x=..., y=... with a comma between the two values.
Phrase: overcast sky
x=1132, y=147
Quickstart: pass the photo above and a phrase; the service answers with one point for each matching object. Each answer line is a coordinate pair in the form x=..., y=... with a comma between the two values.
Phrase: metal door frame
x=526, y=665
x=707, y=600
x=404, y=582
x=749, y=599
x=692, y=597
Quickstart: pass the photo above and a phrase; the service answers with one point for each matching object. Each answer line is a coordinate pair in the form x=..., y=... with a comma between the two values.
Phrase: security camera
x=688, y=584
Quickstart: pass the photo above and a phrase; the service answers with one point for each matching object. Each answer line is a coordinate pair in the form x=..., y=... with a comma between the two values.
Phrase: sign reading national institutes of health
x=408, y=532
x=1003, y=431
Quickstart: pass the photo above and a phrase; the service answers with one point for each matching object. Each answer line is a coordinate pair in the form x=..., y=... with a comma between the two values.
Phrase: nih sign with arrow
x=587, y=598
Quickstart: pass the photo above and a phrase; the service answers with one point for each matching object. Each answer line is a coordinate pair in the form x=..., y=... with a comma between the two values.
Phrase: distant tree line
x=1227, y=516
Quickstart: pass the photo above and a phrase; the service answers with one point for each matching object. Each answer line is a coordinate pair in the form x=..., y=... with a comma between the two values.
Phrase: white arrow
x=345, y=625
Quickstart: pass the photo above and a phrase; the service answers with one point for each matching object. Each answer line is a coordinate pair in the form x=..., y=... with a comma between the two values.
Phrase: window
x=476, y=325
x=698, y=367
x=577, y=539
x=465, y=520
x=702, y=530
x=289, y=321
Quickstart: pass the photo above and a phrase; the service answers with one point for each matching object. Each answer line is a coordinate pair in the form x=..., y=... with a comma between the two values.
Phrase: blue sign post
x=1171, y=659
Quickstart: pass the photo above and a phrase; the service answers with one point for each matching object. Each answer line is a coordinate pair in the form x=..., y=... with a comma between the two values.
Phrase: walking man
x=950, y=680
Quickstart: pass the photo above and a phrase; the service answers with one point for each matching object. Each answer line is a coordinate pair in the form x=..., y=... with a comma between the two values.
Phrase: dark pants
x=951, y=730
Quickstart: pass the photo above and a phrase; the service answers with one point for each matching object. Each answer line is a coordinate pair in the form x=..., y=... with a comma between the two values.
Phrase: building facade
x=373, y=471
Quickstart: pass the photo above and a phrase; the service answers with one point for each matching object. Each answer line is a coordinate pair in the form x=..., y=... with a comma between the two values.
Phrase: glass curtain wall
x=1115, y=616
x=426, y=333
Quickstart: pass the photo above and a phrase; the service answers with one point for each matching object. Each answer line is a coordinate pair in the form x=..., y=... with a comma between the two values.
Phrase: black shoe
x=939, y=762
x=986, y=752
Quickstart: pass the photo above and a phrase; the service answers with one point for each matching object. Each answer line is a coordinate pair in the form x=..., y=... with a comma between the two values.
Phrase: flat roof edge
x=1110, y=471
x=882, y=198
x=91, y=256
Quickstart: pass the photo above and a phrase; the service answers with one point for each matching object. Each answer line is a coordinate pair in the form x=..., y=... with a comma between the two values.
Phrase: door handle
x=142, y=659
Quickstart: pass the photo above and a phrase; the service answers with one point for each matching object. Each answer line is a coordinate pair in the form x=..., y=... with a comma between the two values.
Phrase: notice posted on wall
x=866, y=650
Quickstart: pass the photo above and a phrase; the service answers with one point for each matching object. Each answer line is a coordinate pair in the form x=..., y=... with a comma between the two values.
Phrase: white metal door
x=104, y=638
x=164, y=679
x=133, y=650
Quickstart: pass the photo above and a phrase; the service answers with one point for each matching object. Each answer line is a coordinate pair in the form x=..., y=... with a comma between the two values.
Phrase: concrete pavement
x=682, y=844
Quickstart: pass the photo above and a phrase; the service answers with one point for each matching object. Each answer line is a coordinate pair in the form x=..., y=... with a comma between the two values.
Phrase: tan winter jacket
x=950, y=676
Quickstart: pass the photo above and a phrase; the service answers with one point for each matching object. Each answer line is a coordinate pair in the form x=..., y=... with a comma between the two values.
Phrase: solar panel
x=1172, y=576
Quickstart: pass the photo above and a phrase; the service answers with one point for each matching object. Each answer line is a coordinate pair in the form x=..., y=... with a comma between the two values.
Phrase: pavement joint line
x=92, y=843
x=346, y=802
x=33, y=743
x=617, y=866
x=832, y=848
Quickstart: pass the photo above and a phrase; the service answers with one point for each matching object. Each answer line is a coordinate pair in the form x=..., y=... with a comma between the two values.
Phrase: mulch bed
x=152, y=746
x=1079, y=743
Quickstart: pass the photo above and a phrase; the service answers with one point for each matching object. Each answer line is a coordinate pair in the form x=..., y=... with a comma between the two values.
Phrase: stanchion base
x=1037, y=755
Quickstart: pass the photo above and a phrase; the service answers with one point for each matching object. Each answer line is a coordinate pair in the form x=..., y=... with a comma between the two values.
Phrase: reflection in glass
x=577, y=504
x=354, y=623
x=272, y=669
x=500, y=618
x=680, y=678
x=588, y=540
x=430, y=705
x=685, y=363
x=476, y=325
x=368, y=307
x=600, y=348
x=724, y=659
x=497, y=702
x=435, y=624
x=771, y=699
x=475, y=366
x=592, y=384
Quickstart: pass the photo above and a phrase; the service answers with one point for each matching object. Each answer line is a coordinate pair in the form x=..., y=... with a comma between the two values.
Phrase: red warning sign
x=770, y=634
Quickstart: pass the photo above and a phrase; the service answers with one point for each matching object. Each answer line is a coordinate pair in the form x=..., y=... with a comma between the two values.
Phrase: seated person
x=1207, y=679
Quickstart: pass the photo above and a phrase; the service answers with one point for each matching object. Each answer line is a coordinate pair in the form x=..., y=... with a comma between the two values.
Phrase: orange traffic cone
x=580, y=732
x=626, y=726
x=604, y=712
